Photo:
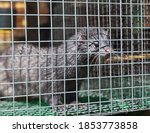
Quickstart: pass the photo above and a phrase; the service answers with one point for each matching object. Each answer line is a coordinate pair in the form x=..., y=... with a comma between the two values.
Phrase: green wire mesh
x=123, y=99
x=33, y=109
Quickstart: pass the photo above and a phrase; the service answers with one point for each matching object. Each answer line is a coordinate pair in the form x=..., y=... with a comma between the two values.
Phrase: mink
x=51, y=73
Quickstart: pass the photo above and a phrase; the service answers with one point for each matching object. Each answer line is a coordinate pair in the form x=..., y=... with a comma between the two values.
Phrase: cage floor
x=94, y=107
x=133, y=96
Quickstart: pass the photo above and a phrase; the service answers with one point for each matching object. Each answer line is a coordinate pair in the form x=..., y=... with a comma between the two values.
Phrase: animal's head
x=97, y=40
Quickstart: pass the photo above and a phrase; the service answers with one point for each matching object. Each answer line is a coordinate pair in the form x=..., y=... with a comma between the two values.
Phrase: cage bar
x=44, y=69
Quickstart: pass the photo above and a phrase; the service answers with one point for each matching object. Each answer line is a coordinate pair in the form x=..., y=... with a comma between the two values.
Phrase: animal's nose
x=107, y=49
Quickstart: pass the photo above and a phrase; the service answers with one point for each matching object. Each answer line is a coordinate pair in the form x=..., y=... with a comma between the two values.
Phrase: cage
x=74, y=57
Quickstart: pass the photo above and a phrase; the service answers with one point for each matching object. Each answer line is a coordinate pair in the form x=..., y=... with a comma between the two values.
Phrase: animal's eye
x=96, y=43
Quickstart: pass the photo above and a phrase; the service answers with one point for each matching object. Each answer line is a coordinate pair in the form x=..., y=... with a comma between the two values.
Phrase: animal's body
x=50, y=72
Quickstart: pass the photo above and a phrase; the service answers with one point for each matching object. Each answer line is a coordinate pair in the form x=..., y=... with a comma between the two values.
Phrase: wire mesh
x=74, y=57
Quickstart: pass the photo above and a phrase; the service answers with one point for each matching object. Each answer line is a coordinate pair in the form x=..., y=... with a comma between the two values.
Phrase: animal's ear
x=82, y=36
x=80, y=39
x=106, y=31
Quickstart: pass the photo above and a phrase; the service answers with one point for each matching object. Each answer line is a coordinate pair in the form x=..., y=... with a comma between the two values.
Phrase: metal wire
x=46, y=27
